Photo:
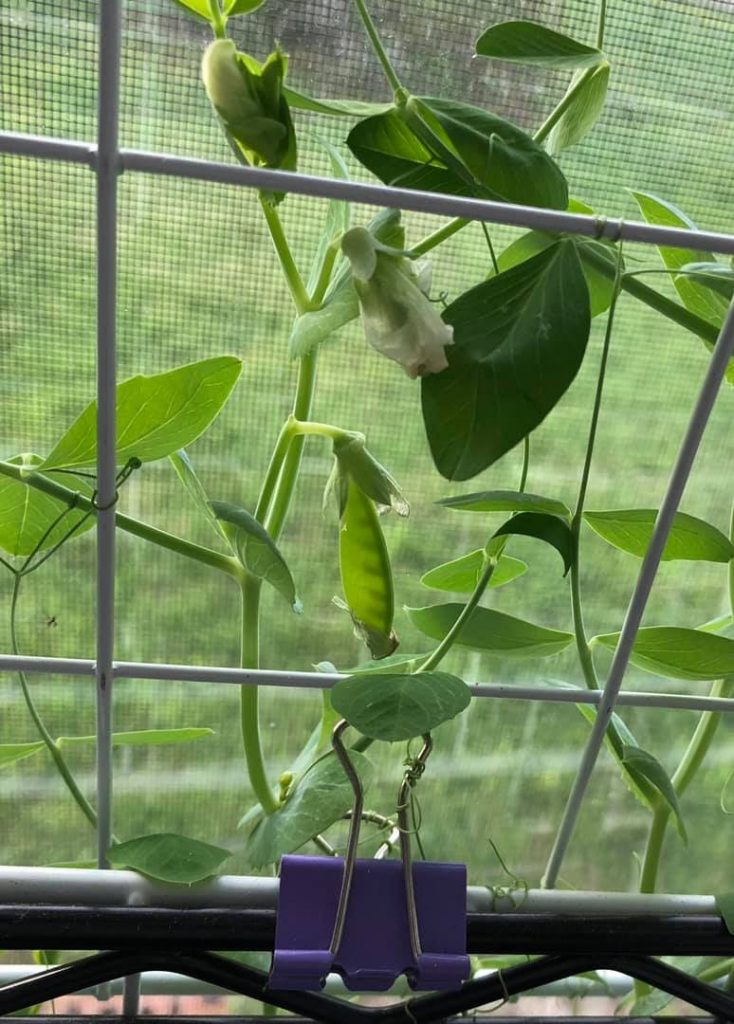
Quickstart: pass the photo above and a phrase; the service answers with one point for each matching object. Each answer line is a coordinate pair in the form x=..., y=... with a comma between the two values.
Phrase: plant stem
x=433, y=660
x=288, y=476
x=217, y=21
x=434, y=239
x=601, y=24
x=285, y=256
x=377, y=46
x=584, y=651
x=56, y=755
x=215, y=560
x=249, y=696
x=557, y=113
x=324, y=279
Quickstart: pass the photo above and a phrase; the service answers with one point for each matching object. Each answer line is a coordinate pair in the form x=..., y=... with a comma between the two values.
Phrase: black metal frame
x=154, y=938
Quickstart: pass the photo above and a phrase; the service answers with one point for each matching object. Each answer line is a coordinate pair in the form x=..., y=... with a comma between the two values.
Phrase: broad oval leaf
x=184, y=469
x=300, y=100
x=234, y=7
x=492, y=631
x=694, y=295
x=551, y=529
x=601, y=286
x=506, y=501
x=678, y=653
x=199, y=8
x=519, y=341
x=461, y=575
x=169, y=857
x=143, y=737
x=27, y=515
x=322, y=796
x=690, y=539
x=156, y=415
x=716, y=276
x=399, y=707
x=12, y=752
x=489, y=157
x=589, y=89
x=641, y=763
x=527, y=42
x=256, y=549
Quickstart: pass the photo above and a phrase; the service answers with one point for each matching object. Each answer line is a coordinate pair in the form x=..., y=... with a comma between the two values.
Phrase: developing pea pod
x=364, y=564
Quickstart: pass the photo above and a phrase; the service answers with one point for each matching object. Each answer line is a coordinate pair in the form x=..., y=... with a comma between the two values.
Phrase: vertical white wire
x=679, y=478
x=107, y=171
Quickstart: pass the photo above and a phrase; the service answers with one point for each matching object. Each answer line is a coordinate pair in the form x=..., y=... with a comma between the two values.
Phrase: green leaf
x=601, y=286
x=678, y=653
x=336, y=108
x=690, y=539
x=716, y=276
x=395, y=664
x=694, y=295
x=12, y=752
x=169, y=857
x=490, y=630
x=583, y=111
x=640, y=762
x=341, y=304
x=184, y=469
x=488, y=156
x=462, y=574
x=551, y=529
x=156, y=415
x=199, y=8
x=338, y=217
x=527, y=42
x=27, y=514
x=725, y=906
x=143, y=737
x=323, y=795
x=505, y=501
x=399, y=707
x=364, y=565
x=234, y=7
x=256, y=549
x=506, y=373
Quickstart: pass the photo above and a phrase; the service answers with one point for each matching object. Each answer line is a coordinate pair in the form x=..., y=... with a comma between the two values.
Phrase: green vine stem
x=51, y=745
x=288, y=265
x=437, y=656
x=377, y=46
x=197, y=552
x=250, y=696
x=582, y=646
x=557, y=113
x=601, y=24
x=217, y=20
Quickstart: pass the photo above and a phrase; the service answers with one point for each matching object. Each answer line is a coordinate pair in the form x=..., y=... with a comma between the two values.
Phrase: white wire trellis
x=108, y=160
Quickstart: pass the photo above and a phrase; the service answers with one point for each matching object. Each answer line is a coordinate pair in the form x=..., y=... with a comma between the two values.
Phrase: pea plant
x=493, y=364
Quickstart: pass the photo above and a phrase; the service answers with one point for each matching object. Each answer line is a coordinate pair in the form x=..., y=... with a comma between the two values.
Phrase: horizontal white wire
x=325, y=680
x=559, y=221
x=75, y=886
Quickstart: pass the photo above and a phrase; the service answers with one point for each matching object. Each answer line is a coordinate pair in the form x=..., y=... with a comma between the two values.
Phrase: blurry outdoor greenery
x=198, y=278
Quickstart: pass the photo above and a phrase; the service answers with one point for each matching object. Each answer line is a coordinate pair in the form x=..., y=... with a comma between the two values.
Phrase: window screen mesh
x=197, y=277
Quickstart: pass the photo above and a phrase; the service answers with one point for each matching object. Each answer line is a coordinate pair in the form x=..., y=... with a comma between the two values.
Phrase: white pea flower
x=398, y=318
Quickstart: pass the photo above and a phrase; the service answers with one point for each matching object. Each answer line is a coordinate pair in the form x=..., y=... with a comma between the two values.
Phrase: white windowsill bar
x=70, y=151
x=142, y=670
x=76, y=886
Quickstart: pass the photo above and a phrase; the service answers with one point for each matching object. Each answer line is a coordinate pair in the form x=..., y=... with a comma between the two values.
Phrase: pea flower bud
x=248, y=97
x=397, y=315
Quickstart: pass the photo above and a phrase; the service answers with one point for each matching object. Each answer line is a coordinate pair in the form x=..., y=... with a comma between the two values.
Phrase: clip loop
x=371, y=920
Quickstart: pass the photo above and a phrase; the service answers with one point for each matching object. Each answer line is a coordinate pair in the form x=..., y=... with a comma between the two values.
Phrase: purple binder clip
x=371, y=920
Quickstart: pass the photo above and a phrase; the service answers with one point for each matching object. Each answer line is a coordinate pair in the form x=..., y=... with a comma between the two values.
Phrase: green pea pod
x=366, y=575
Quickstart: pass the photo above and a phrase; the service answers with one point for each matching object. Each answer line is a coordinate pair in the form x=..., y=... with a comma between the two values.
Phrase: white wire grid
x=108, y=160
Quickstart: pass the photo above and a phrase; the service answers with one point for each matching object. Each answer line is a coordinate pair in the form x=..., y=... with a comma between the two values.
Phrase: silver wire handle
x=411, y=776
